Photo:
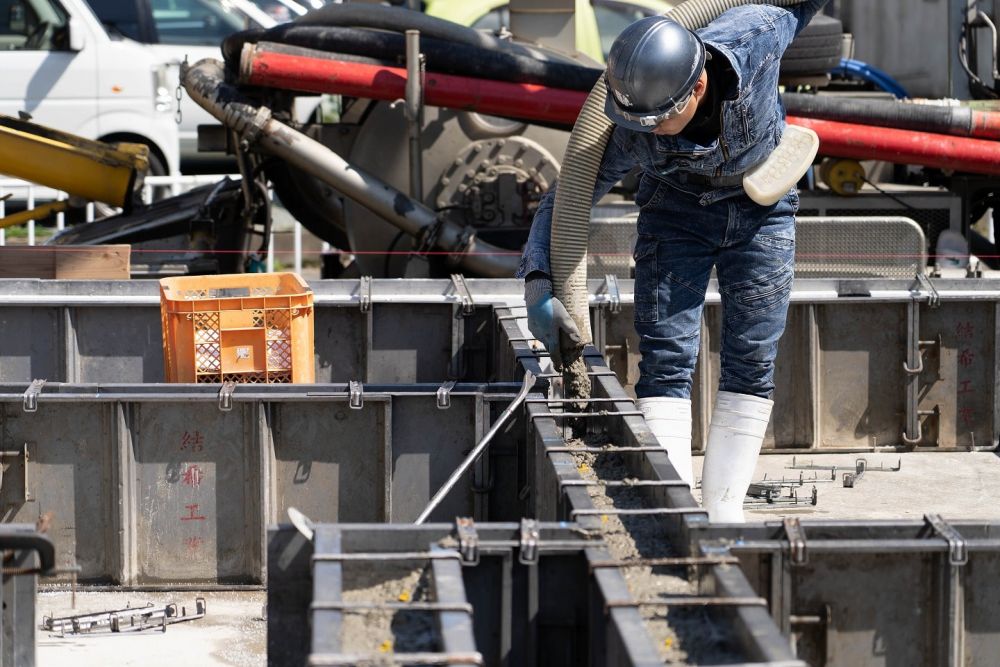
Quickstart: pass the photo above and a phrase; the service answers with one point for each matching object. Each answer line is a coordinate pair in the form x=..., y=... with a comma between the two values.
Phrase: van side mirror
x=77, y=34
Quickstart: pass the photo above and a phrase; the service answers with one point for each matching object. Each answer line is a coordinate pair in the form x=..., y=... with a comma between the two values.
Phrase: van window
x=120, y=18
x=194, y=22
x=32, y=25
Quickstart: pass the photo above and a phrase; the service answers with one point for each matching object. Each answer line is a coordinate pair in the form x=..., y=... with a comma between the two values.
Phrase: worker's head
x=656, y=76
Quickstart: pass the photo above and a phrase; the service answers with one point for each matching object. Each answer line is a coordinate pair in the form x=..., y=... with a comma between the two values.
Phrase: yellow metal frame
x=88, y=169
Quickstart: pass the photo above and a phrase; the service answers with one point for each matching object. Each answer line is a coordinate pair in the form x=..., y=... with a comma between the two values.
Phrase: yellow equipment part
x=37, y=213
x=83, y=168
x=845, y=177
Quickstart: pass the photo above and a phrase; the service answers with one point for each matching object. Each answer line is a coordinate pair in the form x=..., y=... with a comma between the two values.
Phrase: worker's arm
x=614, y=165
x=793, y=20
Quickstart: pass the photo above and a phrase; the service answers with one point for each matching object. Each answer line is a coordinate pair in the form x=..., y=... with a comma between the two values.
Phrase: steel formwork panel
x=875, y=593
x=155, y=484
x=841, y=384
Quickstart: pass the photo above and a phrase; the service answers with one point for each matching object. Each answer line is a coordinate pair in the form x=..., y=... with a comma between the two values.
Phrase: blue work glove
x=547, y=316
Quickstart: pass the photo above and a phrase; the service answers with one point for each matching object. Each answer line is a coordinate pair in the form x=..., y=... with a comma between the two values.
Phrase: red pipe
x=261, y=67
x=867, y=142
x=324, y=74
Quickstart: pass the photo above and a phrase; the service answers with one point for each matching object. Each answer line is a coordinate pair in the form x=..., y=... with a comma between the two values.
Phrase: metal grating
x=859, y=247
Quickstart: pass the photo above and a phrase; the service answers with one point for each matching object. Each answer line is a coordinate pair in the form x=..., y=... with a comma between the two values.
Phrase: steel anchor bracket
x=852, y=478
x=812, y=466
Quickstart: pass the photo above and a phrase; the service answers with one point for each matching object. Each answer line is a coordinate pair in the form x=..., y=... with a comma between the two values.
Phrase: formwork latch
x=226, y=395
x=356, y=393
x=468, y=540
x=444, y=395
x=796, y=541
x=958, y=552
x=365, y=294
x=31, y=395
x=528, y=553
x=614, y=294
x=462, y=290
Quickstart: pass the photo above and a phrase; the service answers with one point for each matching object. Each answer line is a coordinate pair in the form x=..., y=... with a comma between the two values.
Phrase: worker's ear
x=702, y=85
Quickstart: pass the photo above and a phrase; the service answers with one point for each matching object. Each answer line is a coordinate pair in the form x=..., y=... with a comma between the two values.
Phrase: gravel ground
x=684, y=636
x=383, y=632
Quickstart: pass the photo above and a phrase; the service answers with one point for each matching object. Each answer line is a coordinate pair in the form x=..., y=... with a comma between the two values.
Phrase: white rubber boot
x=670, y=421
x=734, y=440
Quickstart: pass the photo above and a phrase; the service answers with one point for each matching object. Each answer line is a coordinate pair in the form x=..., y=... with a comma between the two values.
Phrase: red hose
x=327, y=74
x=866, y=142
x=322, y=75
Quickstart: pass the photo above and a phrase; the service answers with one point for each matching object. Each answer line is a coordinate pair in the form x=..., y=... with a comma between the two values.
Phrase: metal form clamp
x=614, y=294
x=468, y=540
x=444, y=395
x=226, y=395
x=30, y=403
x=958, y=550
x=365, y=293
x=528, y=553
x=796, y=536
x=356, y=394
x=464, y=295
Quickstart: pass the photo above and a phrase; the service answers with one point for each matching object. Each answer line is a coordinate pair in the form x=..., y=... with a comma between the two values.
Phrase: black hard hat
x=654, y=64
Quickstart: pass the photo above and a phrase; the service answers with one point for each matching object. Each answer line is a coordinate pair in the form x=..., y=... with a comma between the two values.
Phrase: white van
x=175, y=30
x=62, y=67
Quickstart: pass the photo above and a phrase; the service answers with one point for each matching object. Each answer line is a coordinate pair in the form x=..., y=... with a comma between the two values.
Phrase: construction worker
x=696, y=111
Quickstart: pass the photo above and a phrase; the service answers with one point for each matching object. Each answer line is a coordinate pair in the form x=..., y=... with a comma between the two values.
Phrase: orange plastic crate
x=246, y=327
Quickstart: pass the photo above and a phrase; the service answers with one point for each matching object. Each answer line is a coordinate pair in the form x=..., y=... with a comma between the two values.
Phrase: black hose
x=394, y=20
x=882, y=113
x=442, y=56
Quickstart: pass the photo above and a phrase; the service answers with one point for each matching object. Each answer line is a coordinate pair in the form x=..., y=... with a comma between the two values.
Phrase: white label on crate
x=243, y=353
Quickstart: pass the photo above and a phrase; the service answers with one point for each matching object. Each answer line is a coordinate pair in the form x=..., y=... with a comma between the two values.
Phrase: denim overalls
x=686, y=225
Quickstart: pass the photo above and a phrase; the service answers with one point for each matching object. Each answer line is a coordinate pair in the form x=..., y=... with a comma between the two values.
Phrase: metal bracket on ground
x=444, y=395
x=958, y=550
x=852, y=478
x=356, y=394
x=614, y=294
x=226, y=395
x=462, y=290
x=796, y=537
x=528, y=552
x=468, y=540
x=365, y=294
x=31, y=395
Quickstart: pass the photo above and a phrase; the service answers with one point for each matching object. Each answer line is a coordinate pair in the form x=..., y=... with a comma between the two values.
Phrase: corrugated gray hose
x=571, y=214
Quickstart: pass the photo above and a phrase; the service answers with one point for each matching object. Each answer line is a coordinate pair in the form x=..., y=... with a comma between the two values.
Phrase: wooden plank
x=66, y=262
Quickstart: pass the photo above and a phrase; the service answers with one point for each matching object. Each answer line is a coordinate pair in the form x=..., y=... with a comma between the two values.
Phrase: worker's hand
x=547, y=316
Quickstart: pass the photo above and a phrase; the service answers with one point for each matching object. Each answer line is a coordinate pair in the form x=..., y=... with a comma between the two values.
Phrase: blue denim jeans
x=682, y=235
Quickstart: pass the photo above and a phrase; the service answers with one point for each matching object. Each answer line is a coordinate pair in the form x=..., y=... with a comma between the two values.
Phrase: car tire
x=816, y=50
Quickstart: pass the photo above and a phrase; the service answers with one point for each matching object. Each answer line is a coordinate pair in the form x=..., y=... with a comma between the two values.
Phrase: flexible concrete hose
x=571, y=213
